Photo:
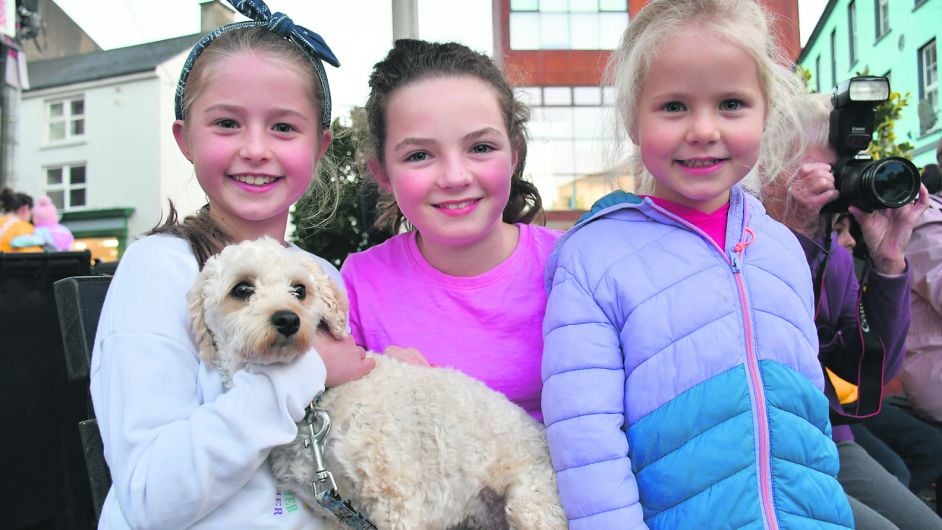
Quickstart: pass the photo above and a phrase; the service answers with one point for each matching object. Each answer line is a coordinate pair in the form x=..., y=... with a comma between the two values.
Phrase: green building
x=895, y=38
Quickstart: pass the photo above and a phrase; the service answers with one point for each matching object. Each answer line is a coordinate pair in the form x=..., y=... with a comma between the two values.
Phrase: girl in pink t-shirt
x=463, y=287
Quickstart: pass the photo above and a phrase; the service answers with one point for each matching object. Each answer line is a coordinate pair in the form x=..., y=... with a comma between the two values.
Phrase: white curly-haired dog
x=411, y=447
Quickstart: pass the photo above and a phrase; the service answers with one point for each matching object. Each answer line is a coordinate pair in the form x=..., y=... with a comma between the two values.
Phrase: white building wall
x=130, y=155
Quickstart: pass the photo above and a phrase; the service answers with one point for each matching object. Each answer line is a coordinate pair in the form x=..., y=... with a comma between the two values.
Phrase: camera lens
x=893, y=182
x=875, y=184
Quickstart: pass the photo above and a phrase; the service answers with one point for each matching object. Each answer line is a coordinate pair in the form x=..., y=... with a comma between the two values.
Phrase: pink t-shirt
x=714, y=223
x=488, y=326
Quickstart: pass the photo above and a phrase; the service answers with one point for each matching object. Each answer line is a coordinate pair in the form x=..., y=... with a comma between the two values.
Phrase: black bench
x=78, y=301
x=44, y=482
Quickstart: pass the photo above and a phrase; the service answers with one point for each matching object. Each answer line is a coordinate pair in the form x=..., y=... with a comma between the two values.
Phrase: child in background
x=681, y=380
x=253, y=112
x=14, y=223
x=49, y=233
x=464, y=288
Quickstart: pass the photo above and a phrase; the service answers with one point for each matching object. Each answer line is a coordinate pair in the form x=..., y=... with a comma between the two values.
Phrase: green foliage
x=805, y=75
x=350, y=229
x=884, y=141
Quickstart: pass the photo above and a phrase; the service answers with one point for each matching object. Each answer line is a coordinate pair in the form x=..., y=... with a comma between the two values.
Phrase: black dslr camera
x=862, y=181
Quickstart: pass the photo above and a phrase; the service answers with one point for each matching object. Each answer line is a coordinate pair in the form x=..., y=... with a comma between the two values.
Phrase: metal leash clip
x=318, y=426
x=323, y=485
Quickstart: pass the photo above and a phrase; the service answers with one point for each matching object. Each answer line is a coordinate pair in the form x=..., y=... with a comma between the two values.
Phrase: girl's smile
x=702, y=166
x=458, y=208
x=255, y=183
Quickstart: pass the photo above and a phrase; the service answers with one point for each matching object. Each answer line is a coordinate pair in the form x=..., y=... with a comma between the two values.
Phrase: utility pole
x=405, y=19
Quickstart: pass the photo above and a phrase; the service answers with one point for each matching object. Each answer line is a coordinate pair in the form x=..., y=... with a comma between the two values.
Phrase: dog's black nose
x=286, y=322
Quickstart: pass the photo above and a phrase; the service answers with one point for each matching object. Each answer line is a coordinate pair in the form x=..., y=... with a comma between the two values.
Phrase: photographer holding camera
x=862, y=330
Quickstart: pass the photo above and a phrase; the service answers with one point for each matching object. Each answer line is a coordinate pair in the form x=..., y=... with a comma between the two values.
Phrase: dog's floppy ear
x=337, y=306
x=195, y=304
x=335, y=301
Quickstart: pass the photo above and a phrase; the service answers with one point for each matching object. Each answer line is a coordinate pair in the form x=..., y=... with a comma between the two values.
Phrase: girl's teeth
x=254, y=180
x=457, y=205
x=699, y=163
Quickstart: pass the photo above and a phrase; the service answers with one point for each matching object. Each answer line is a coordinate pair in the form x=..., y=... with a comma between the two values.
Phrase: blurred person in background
x=17, y=209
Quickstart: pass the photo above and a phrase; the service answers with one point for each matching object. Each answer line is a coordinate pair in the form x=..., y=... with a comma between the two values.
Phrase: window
x=567, y=24
x=66, y=186
x=65, y=119
x=568, y=136
x=882, y=9
x=852, y=31
x=928, y=107
x=833, y=58
x=817, y=74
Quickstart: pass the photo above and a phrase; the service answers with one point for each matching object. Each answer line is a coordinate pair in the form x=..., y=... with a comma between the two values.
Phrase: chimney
x=215, y=13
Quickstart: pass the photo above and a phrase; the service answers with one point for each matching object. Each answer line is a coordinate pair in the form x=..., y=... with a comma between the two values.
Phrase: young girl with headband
x=253, y=116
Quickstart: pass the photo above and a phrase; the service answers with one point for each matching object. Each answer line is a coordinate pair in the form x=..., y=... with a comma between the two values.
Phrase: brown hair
x=13, y=200
x=414, y=60
x=205, y=237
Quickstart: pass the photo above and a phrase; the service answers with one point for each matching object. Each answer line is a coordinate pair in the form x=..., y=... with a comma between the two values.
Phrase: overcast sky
x=117, y=23
x=358, y=31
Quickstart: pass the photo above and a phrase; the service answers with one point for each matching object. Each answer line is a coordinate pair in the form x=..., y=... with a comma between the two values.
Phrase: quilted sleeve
x=583, y=408
x=925, y=258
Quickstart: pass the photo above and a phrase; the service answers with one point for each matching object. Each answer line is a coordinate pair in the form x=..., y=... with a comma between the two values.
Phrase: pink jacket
x=922, y=370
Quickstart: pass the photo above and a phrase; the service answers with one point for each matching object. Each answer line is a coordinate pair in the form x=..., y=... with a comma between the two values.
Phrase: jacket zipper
x=756, y=387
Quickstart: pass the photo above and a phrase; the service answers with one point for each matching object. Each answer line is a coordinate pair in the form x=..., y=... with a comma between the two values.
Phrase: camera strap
x=869, y=378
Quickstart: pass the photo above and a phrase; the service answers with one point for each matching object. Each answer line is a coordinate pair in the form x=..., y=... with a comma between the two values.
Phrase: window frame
x=574, y=17
x=852, y=31
x=929, y=92
x=881, y=18
x=833, y=57
x=567, y=134
x=817, y=73
x=61, y=193
x=67, y=119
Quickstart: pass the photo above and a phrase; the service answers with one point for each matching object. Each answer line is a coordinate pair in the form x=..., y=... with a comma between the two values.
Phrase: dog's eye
x=299, y=291
x=242, y=290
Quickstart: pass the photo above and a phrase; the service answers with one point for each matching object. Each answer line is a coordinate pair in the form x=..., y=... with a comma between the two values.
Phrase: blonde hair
x=813, y=112
x=743, y=23
x=813, y=117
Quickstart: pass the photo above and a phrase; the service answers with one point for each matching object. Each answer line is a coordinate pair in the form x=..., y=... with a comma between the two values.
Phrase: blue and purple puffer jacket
x=682, y=387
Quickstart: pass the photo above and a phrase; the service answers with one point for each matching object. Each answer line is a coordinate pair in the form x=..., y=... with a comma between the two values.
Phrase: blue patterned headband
x=310, y=43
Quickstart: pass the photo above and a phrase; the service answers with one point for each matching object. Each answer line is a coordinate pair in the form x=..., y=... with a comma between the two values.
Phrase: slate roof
x=105, y=64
